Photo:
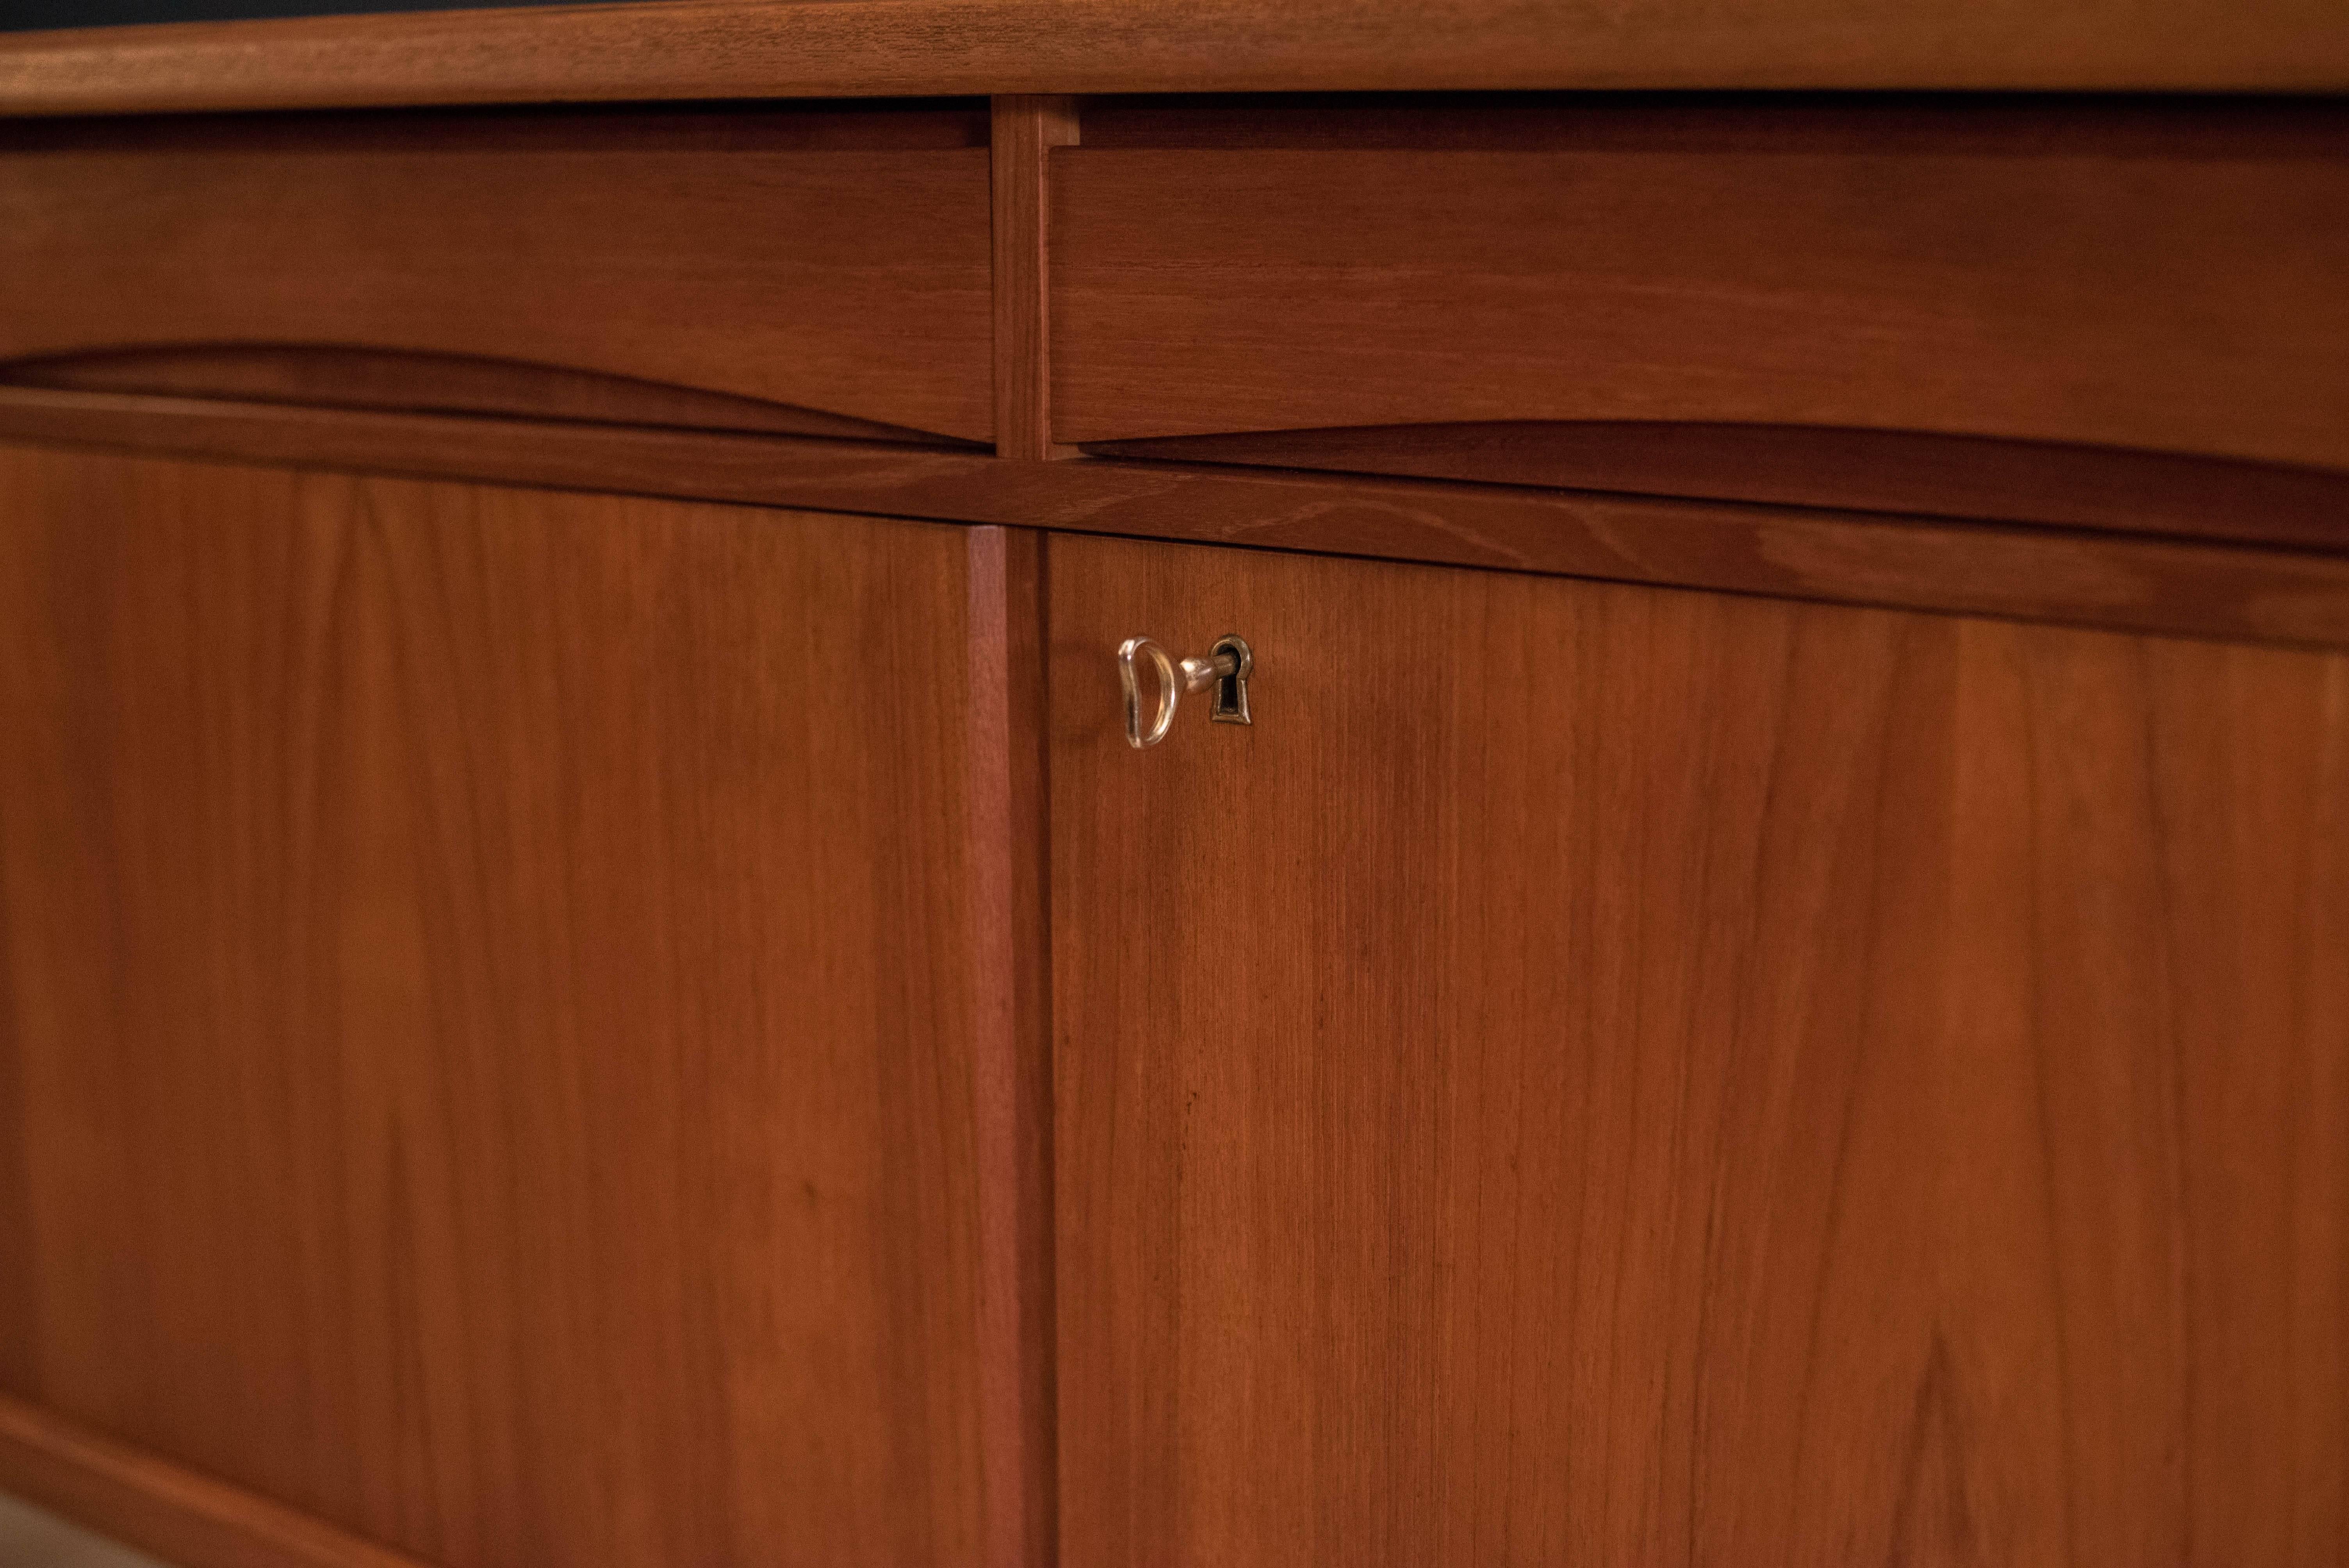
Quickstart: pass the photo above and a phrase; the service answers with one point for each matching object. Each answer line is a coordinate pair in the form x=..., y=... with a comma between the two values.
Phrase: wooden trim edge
x=684, y=49
x=1012, y=1055
x=1026, y=129
x=1974, y=478
x=2129, y=583
x=157, y=1506
x=478, y=386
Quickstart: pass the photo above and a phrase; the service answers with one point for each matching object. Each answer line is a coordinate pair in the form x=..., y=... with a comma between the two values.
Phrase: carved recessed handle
x=1226, y=668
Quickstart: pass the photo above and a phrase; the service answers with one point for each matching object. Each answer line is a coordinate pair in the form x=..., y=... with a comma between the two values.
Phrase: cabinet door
x=483, y=1017
x=1606, y=1075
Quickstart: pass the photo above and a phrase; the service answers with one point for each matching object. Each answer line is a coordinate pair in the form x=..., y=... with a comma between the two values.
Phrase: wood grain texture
x=1026, y=131
x=1600, y=1075
x=760, y=48
x=1012, y=1047
x=190, y=1520
x=2266, y=596
x=311, y=376
x=485, y=1010
x=2162, y=281
x=829, y=261
x=1857, y=470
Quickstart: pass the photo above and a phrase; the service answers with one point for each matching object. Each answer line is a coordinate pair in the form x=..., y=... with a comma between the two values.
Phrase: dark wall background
x=18, y=15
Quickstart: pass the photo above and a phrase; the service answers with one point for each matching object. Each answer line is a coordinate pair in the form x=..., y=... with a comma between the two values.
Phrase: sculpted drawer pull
x=1226, y=668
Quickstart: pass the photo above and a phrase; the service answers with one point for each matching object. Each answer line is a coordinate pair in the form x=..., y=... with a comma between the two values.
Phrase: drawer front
x=484, y=1043
x=1601, y=1074
x=796, y=270
x=2172, y=280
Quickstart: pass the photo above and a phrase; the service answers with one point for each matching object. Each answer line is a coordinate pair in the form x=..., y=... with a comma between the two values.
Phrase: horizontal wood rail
x=2137, y=583
x=1991, y=480
x=342, y=377
x=682, y=49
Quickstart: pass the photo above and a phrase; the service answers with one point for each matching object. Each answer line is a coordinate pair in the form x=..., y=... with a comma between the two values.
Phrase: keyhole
x=1231, y=703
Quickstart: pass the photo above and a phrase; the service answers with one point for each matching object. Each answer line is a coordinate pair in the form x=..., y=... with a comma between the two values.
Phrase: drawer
x=818, y=270
x=1605, y=1074
x=2167, y=279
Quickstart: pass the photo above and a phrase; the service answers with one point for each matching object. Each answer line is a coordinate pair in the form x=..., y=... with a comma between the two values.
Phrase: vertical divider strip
x=1012, y=1047
x=1025, y=131
x=1011, y=887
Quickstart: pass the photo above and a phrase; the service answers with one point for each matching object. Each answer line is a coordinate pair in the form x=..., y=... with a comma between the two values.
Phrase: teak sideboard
x=609, y=955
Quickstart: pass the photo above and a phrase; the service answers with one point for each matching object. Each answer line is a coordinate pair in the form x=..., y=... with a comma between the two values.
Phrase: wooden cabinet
x=1601, y=1074
x=1592, y=1071
x=485, y=1053
x=596, y=970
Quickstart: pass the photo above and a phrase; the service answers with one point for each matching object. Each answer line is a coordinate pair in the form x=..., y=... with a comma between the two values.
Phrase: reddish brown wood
x=488, y=1009
x=188, y=1519
x=1864, y=471
x=1012, y=1047
x=1597, y=1074
x=1026, y=131
x=762, y=49
x=429, y=383
x=2169, y=284
x=1996, y=126
x=830, y=262
x=846, y=476
x=2266, y=596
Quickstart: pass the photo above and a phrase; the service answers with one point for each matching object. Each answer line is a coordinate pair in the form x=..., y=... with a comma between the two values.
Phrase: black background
x=17, y=15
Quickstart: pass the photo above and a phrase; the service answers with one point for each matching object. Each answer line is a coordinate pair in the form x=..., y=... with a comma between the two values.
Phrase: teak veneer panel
x=829, y=260
x=485, y=1009
x=2161, y=278
x=788, y=48
x=1603, y=1075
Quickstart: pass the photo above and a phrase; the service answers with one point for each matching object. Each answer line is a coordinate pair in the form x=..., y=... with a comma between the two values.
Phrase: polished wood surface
x=1012, y=1044
x=2165, y=278
x=2266, y=596
x=835, y=261
x=1603, y=1075
x=485, y=1052
x=545, y=1028
x=1883, y=471
x=762, y=49
x=1026, y=131
x=404, y=382
x=191, y=1521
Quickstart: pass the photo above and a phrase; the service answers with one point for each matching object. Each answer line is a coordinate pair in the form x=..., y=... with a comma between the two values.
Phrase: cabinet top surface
x=686, y=49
